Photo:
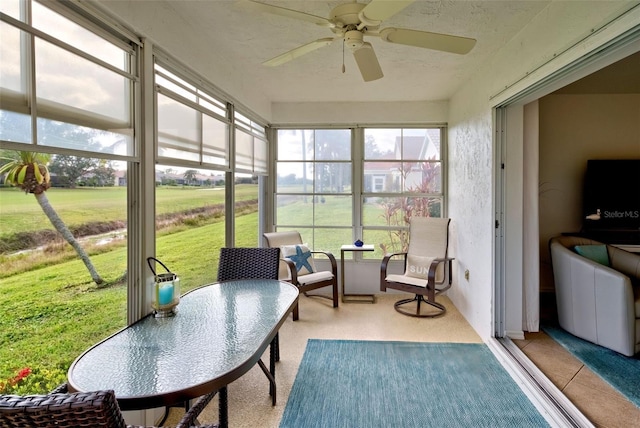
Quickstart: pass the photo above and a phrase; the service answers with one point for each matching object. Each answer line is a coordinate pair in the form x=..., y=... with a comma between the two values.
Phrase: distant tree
x=287, y=179
x=371, y=149
x=70, y=169
x=104, y=174
x=331, y=146
x=190, y=176
x=28, y=171
x=243, y=180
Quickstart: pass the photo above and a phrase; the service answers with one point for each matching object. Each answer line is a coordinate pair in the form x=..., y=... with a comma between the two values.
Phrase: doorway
x=522, y=269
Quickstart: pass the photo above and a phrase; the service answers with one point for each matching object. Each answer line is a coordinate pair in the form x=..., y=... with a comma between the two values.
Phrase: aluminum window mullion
x=95, y=21
x=54, y=150
x=196, y=91
x=166, y=61
x=190, y=164
x=32, y=96
x=59, y=43
x=192, y=89
x=180, y=99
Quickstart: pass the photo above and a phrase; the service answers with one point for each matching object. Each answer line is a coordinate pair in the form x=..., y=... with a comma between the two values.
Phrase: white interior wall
x=418, y=112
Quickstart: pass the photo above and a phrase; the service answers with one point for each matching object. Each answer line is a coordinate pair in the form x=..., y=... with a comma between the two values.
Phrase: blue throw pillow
x=301, y=256
x=597, y=253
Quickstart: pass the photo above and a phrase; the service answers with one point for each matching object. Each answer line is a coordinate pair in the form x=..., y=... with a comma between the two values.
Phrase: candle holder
x=166, y=291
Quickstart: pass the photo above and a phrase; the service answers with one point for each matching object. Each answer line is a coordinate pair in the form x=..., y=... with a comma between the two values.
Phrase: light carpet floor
x=249, y=400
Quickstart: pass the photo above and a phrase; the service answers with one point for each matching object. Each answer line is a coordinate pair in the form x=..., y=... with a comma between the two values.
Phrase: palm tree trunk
x=57, y=222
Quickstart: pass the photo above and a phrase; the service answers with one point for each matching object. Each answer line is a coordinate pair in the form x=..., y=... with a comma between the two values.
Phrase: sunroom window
x=97, y=95
x=400, y=175
x=402, y=178
x=66, y=93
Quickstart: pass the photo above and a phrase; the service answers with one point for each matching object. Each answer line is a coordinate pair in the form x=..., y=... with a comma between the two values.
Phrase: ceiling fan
x=350, y=22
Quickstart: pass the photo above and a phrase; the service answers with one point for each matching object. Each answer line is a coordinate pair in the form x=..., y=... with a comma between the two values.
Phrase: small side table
x=354, y=298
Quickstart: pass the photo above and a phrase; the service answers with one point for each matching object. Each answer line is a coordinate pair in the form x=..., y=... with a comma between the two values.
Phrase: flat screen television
x=612, y=196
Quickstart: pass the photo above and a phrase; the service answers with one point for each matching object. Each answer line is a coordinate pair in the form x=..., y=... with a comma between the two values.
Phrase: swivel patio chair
x=427, y=269
x=254, y=263
x=76, y=410
x=298, y=268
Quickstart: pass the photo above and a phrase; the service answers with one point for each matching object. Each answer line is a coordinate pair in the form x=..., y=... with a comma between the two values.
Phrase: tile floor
x=599, y=402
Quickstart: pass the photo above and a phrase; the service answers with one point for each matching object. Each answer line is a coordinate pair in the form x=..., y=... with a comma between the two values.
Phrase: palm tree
x=29, y=172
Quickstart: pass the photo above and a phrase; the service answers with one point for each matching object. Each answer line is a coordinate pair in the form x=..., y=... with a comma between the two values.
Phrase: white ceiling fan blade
x=289, y=13
x=379, y=10
x=368, y=62
x=299, y=51
x=425, y=39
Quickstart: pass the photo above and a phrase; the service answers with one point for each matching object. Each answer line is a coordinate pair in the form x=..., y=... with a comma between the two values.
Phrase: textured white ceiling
x=243, y=38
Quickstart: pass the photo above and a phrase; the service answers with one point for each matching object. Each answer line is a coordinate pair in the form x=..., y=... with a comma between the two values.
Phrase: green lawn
x=51, y=315
x=21, y=212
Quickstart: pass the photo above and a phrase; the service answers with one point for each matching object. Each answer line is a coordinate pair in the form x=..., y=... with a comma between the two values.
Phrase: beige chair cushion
x=315, y=277
x=407, y=280
x=428, y=239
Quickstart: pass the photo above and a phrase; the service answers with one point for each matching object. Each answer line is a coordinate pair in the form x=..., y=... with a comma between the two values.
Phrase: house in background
x=387, y=176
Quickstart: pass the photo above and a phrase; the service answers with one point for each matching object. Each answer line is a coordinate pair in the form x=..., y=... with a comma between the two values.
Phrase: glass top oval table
x=219, y=332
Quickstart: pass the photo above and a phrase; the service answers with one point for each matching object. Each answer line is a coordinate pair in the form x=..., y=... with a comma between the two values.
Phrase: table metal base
x=358, y=298
x=350, y=297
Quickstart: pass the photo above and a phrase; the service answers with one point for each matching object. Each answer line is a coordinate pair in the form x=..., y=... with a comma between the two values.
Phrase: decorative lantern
x=166, y=291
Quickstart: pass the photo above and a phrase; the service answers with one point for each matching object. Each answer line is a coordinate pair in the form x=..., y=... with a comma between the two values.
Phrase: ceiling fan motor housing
x=346, y=14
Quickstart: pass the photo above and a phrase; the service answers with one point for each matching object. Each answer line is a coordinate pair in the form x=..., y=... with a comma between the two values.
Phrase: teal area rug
x=622, y=373
x=342, y=383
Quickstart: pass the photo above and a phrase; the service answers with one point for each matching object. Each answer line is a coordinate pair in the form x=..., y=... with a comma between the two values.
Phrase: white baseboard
x=517, y=335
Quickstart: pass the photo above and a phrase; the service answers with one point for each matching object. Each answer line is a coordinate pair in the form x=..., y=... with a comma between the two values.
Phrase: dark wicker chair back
x=60, y=409
x=248, y=263
x=82, y=409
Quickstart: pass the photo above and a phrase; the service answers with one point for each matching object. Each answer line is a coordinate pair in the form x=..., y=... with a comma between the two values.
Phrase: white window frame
x=358, y=194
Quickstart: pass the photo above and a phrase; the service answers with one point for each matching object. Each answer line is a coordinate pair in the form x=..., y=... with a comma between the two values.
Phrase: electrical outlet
x=466, y=274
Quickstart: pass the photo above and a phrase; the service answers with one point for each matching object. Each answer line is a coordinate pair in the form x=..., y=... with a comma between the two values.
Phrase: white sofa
x=595, y=302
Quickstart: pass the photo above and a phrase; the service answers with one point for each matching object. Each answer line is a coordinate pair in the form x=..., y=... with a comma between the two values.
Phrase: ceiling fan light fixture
x=353, y=39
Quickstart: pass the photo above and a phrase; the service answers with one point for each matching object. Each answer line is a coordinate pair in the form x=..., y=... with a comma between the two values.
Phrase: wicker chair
x=248, y=263
x=76, y=410
x=254, y=263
